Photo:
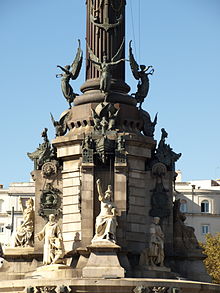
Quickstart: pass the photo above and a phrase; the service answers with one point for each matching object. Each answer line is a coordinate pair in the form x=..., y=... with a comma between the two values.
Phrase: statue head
x=108, y=193
x=164, y=134
x=30, y=202
x=156, y=220
x=142, y=67
x=105, y=59
x=51, y=218
x=67, y=67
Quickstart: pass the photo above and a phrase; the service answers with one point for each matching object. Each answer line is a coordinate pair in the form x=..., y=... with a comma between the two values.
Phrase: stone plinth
x=157, y=272
x=18, y=261
x=18, y=252
x=103, y=261
x=53, y=271
x=190, y=265
x=92, y=94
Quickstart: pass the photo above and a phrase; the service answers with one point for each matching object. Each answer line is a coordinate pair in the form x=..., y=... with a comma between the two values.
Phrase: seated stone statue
x=106, y=222
x=184, y=236
x=25, y=232
x=154, y=255
x=53, y=242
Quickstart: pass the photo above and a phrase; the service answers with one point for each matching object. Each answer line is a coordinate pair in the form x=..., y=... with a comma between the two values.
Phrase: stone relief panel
x=50, y=202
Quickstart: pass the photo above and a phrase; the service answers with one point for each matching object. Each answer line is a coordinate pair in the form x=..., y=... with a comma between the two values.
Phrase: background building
x=4, y=216
x=200, y=201
x=10, y=209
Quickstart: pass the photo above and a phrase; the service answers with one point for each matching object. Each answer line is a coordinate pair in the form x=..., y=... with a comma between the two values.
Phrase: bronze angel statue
x=141, y=74
x=70, y=72
x=106, y=67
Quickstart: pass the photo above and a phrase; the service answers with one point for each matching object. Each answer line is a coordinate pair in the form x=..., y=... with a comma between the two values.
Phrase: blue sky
x=180, y=38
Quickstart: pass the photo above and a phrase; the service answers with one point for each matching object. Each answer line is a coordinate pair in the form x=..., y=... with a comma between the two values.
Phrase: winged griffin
x=71, y=72
x=105, y=67
x=141, y=74
x=61, y=125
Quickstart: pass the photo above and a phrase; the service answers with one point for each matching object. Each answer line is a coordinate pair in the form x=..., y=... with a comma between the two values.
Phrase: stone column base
x=103, y=261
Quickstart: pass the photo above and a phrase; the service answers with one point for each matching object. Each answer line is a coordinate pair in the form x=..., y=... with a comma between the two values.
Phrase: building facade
x=200, y=201
x=10, y=209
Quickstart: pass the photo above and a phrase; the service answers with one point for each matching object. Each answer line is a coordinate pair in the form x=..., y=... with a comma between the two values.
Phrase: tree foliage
x=211, y=248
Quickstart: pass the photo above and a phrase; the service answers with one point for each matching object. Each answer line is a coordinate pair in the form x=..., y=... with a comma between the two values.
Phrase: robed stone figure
x=53, y=241
x=106, y=222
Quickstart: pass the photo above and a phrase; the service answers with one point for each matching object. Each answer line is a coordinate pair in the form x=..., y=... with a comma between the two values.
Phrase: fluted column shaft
x=103, y=41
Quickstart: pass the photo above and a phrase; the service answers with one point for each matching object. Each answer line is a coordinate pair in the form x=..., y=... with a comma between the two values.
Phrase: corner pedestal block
x=18, y=261
x=103, y=261
x=191, y=266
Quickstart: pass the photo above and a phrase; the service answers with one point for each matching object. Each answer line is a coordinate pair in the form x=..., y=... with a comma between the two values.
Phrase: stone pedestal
x=190, y=265
x=18, y=252
x=153, y=272
x=53, y=271
x=103, y=261
x=18, y=261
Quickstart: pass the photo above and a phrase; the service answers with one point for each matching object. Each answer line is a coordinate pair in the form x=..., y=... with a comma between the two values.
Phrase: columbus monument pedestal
x=105, y=185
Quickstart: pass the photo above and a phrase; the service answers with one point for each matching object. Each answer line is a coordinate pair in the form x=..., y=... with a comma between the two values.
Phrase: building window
x=1, y=228
x=205, y=206
x=24, y=200
x=183, y=206
x=205, y=229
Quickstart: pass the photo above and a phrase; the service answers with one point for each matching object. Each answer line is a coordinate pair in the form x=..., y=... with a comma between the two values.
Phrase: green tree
x=211, y=248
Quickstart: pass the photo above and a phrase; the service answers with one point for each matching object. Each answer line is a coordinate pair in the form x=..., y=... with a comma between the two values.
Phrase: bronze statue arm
x=62, y=68
x=147, y=68
x=117, y=62
x=59, y=75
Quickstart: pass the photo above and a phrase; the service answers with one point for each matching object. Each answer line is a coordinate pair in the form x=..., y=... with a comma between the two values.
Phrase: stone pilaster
x=87, y=203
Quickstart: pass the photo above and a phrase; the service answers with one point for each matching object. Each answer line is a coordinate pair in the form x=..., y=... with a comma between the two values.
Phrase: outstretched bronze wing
x=93, y=57
x=118, y=54
x=77, y=63
x=133, y=64
x=52, y=119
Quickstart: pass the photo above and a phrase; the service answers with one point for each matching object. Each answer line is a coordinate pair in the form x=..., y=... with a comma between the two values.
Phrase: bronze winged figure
x=70, y=72
x=141, y=74
x=106, y=67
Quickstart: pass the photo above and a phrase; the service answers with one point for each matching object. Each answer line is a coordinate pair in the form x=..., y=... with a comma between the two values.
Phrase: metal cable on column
x=139, y=30
x=132, y=24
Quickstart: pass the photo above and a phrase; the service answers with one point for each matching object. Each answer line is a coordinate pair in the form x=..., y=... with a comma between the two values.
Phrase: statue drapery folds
x=25, y=232
x=106, y=222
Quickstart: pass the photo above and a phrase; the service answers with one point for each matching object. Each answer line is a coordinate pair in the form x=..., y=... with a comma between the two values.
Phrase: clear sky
x=180, y=38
